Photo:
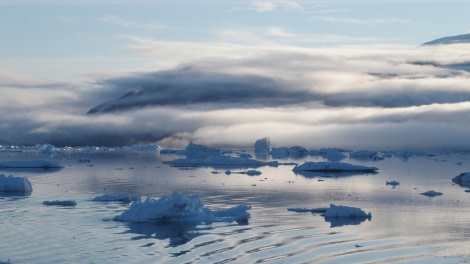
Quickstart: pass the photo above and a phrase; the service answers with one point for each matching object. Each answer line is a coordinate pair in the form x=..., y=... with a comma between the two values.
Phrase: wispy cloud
x=360, y=21
x=270, y=5
x=119, y=21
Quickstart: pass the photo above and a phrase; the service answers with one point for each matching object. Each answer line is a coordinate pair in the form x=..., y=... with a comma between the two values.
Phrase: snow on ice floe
x=180, y=208
x=125, y=198
x=333, y=167
x=11, y=184
x=338, y=215
x=431, y=193
x=33, y=164
x=61, y=202
x=462, y=179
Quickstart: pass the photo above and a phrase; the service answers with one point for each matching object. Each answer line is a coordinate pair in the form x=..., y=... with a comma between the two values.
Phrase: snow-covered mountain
x=465, y=38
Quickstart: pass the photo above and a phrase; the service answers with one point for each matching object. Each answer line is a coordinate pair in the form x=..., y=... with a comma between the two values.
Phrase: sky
x=348, y=74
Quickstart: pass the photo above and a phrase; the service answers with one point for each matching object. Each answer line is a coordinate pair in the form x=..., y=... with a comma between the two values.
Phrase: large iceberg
x=11, y=184
x=200, y=151
x=263, y=146
x=333, y=167
x=180, y=208
x=40, y=164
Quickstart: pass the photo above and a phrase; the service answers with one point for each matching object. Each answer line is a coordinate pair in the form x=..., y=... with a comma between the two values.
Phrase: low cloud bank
x=378, y=98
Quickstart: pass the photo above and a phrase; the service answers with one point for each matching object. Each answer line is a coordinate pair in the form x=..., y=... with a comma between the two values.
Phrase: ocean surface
x=406, y=227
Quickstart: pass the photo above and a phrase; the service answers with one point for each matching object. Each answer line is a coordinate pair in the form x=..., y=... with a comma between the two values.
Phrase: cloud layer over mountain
x=354, y=97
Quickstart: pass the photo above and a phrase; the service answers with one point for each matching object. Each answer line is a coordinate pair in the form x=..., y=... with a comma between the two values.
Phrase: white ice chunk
x=44, y=164
x=15, y=184
x=332, y=167
x=180, y=208
x=263, y=146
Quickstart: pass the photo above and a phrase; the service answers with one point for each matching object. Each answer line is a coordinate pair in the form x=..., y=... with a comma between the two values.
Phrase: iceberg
x=263, y=146
x=333, y=167
x=40, y=164
x=462, y=179
x=392, y=183
x=125, y=198
x=200, y=151
x=180, y=208
x=11, y=184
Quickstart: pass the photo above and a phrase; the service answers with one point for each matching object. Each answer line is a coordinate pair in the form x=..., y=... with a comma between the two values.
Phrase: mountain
x=465, y=38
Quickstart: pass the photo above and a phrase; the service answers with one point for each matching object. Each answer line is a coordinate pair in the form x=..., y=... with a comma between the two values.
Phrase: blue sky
x=356, y=66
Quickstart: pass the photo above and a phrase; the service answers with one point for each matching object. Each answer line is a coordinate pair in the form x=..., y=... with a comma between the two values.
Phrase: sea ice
x=221, y=161
x=365, y=155
x=262, y=146
x=431, y=193
x=43, y=164
x=180, y=208
x=462, y=179
x=116, y=198
x=13, y=184
x=60, y=203
x=333, y=167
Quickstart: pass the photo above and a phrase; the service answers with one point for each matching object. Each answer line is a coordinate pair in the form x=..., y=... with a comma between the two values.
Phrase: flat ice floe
x=221, y=161
x=180, y=208
x=61, y=203
x=11, y=184
x=333, y=167
x=125, y=198
x=40, y=164
x=338, y=215
x=431, y=193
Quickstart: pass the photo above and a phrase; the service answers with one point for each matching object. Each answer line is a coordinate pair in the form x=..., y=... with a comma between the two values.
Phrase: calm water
x=406, y=227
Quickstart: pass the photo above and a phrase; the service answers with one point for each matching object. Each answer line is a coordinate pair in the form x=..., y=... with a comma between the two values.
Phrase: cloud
x=118, y=21
x=375, y=97
x=270, y=5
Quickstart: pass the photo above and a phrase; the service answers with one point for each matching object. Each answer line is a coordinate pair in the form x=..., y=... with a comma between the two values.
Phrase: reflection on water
x=407, y=227
x=313, y=174
x=341, y=221
x=176, y=233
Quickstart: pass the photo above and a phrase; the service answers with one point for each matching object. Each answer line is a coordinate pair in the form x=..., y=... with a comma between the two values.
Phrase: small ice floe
x=338, y=215
x=253, y=172
x=365, y=155
x=431, y=193
x=392, y=183
x=125, y=198
x=180, y=208
x=462, y=179
x=11, y=184
x=40, y=164
x=61, y=203
x=333, y=167
x=224, y=161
